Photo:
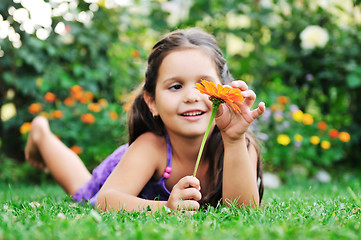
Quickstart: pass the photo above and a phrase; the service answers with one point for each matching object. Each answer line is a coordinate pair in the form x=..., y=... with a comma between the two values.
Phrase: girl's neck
x=185, y=149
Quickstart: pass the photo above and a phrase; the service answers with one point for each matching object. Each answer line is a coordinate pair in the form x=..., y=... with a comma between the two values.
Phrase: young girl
x=167, y=122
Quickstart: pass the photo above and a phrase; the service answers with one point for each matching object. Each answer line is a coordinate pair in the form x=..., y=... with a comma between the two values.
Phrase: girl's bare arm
x=136, y=168
x=240, y=164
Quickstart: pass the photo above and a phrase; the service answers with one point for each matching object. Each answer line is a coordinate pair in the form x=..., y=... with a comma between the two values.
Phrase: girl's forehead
x=193, y=60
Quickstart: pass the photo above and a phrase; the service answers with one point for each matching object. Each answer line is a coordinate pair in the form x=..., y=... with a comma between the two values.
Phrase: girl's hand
x=234, y=124
x=185, y=194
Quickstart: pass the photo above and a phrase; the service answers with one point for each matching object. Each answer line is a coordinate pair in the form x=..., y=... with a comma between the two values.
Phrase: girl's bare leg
x=45, y=151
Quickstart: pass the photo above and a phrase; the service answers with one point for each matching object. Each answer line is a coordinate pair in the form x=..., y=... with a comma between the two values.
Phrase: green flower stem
x=214, y=111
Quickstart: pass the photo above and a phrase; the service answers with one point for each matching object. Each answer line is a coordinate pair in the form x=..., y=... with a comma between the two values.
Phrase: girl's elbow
x=105, y=200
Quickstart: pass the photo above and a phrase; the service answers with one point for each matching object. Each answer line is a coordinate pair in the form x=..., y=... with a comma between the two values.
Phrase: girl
x=167, y=122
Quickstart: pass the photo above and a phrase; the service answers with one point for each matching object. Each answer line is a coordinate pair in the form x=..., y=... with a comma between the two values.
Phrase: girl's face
x=182, y=108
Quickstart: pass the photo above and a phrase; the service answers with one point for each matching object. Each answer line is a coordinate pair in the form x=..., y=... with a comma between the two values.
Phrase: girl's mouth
x=191, y=114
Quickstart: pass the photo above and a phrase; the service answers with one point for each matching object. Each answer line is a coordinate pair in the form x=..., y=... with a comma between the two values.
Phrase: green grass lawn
x=294, y=211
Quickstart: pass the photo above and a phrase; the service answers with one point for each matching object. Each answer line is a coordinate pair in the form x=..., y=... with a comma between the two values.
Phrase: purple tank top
x=153, y=190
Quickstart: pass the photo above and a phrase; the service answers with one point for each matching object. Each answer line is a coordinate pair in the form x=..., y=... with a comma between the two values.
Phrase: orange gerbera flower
x=219, y=94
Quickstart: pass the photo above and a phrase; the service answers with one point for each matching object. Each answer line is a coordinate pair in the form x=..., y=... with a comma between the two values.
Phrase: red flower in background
x=333, y=133
x=322, y=125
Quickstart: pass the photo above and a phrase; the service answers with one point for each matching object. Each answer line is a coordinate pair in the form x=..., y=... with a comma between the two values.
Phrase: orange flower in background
x=325, y=144
x=220, y=94
x=76, y=89
x=283, y=100
x=315, y=140
x=113, y=115
x=126, y=107
x=333, y=133
x=88, y=118
x=322, y=125
x=35, y=108
x=307, y=119
x=76, y=92
x=25, y=127
x=69, y=102
x=94, y=107
x=76, y=149
x=344, y=136
x=50, y=97
x=56, y=114
x=89, y=96
x=135, y=53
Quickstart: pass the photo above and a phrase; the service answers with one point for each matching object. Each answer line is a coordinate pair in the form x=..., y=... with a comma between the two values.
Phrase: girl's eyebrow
x=179, y=79
x=209, y=78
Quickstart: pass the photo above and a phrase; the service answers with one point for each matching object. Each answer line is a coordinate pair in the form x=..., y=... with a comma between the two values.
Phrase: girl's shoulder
x=152, y=149
x=150, y=144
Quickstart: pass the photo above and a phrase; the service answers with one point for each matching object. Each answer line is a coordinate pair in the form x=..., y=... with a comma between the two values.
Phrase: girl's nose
x=192, y=95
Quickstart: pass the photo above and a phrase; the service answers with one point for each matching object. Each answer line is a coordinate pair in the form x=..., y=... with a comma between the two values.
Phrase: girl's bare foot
x=39, y=127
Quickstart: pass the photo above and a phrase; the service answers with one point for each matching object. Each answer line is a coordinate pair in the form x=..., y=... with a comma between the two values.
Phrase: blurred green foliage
x=261, y=41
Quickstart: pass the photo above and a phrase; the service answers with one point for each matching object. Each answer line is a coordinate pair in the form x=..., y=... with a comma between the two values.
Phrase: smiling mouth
x=187, y=114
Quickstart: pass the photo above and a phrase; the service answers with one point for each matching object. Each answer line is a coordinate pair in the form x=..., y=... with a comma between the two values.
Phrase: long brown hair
x=140, y=119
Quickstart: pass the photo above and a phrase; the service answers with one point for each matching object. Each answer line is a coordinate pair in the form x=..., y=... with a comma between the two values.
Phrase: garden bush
x=305, y=51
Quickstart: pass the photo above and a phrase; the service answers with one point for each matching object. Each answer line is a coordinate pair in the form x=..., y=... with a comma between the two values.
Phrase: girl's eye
x=175, y=87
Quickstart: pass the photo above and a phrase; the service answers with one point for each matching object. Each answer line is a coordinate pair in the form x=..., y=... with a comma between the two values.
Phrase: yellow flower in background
x=103, y=102
x=307, y=119
x=297, y=116
x=315, y=140
x=278, y=118
x=325, y=144
x=298, y=137
x=283, y=139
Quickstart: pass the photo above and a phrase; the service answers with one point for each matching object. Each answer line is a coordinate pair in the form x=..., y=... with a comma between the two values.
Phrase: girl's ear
x=149, y=100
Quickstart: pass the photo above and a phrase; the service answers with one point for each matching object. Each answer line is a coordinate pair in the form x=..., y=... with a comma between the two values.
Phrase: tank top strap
x=168, y=169
x=169, y=151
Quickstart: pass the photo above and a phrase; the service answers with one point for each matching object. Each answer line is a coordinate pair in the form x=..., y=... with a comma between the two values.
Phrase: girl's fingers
x=250, y=97
x=188, y=181
x=258, y=111
x=190, y=193
x=189, y=205
x=240, y=84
